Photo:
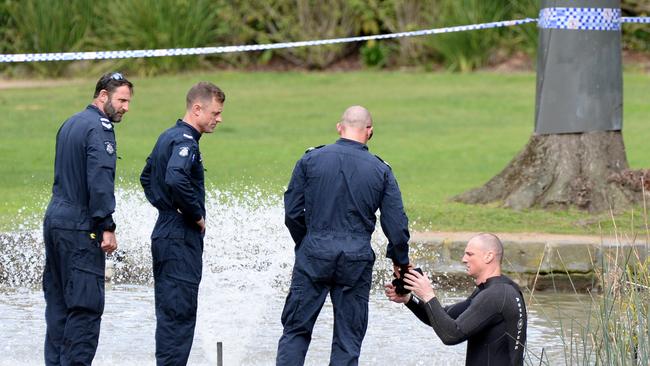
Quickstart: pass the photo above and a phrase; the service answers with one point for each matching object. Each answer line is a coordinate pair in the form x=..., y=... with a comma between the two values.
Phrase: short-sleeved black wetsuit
x=492, y=320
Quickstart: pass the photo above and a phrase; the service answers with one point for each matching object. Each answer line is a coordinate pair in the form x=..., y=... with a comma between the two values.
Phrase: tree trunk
x=584, y=170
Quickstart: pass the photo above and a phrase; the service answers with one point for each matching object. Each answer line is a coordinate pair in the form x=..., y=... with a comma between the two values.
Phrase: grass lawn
x=442, y=134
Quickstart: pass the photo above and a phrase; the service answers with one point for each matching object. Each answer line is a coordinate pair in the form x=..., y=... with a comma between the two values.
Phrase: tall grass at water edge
x=614, y=328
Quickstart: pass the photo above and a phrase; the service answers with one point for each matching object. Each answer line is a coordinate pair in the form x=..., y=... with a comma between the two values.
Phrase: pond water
x=250, y=331
x=247, y=266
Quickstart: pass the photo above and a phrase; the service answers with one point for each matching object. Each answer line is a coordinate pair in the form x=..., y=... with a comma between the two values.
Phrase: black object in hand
x=399, y=282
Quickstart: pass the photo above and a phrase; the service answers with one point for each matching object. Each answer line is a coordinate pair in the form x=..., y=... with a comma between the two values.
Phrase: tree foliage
x=35, y=26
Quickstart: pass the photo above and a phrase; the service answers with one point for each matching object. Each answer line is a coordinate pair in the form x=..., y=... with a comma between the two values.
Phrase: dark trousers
x=177, y=266
x=73, y=284
x=347, y=279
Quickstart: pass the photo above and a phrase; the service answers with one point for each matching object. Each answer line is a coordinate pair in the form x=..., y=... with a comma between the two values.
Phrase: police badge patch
x=110, y=149
x=184, y=151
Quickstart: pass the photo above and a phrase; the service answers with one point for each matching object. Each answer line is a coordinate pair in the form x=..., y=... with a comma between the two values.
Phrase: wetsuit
x=79, y=212
x=492, y=320
x=173, y=182
x=330, y=207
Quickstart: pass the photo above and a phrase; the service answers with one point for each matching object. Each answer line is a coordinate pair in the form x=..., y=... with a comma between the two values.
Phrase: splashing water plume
x=247, y=262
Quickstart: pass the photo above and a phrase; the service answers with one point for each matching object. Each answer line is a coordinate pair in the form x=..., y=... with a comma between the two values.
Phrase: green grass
x=442, y=134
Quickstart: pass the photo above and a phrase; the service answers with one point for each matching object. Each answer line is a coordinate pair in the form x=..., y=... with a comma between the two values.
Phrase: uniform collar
x=196, y=134
x=94, y=108
x=351, y=143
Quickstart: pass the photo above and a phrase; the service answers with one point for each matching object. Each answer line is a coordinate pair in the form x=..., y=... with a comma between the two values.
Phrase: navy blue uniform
x=330, y=208
x=79, y=212
x=173, y=182
x=492, y=320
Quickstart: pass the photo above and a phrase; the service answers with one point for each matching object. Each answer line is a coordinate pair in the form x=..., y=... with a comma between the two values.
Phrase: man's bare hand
x=396, y=269
x=389, y=290
x=201, y=224
x=109, y=242
x=419, y=284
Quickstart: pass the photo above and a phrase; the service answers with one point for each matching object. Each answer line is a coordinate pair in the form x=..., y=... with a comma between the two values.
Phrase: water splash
x=247, y=260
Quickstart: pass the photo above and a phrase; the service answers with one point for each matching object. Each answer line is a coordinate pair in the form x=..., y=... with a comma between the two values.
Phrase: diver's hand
x=389, y=290
x=420, y=285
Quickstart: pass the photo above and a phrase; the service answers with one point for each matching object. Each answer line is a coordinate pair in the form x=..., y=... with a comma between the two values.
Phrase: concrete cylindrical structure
x=579, y=73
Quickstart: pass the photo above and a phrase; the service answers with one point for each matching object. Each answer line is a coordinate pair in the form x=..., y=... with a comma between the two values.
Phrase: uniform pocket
x=180, y=297
x=292, y=307
x=352, y=265
x=85, y=290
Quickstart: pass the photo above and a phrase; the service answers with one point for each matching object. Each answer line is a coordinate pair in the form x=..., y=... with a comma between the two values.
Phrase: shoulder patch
x=184, y=151
x=383, y=161
x=313, y=148
x=188, y=136
x=106, y=123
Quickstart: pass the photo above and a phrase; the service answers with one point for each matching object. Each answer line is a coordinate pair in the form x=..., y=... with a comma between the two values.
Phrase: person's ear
x=103, y=96
x=489, y=256
x=339, y=128
x=196, y=109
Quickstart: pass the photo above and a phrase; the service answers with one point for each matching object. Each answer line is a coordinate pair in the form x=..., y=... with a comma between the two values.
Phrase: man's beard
x=111, y=113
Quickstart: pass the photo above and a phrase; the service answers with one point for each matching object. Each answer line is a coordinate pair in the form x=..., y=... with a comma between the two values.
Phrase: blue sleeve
x=100, y=177
x=294, y=204
x=394, y=222
x=145, y=181
x=177, y=178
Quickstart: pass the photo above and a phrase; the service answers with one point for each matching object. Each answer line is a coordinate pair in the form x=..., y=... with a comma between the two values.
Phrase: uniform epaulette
x=383, y=161
x=313, y=148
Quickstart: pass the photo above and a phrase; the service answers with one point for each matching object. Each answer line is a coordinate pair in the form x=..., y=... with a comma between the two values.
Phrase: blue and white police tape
x=580, y=18
x=100, y=55
x=641, y=20
x=550, y=18
x=604, y=19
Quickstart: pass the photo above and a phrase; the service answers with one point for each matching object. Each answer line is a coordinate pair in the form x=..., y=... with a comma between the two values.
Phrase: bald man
x=330, y=207
x=492, y=319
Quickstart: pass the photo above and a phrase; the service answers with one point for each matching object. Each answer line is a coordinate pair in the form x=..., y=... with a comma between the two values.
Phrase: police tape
x=642, y=20
x=73, y=56
x=110, y=55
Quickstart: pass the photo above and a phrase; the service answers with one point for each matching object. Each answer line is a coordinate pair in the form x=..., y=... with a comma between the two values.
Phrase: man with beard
x=78, y=227
x=173, y=182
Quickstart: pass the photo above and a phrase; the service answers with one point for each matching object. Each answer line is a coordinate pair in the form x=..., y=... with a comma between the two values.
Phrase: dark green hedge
x=84, y=25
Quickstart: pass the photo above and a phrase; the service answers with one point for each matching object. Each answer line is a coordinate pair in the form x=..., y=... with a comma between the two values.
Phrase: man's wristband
x=111, y=228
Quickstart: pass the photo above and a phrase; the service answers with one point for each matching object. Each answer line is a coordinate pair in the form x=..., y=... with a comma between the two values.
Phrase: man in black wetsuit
x=492, y=319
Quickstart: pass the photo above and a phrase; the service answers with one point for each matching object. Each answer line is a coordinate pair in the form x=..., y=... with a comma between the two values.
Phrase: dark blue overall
x=79, y=212
x=173, y=182
x=330, y=208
